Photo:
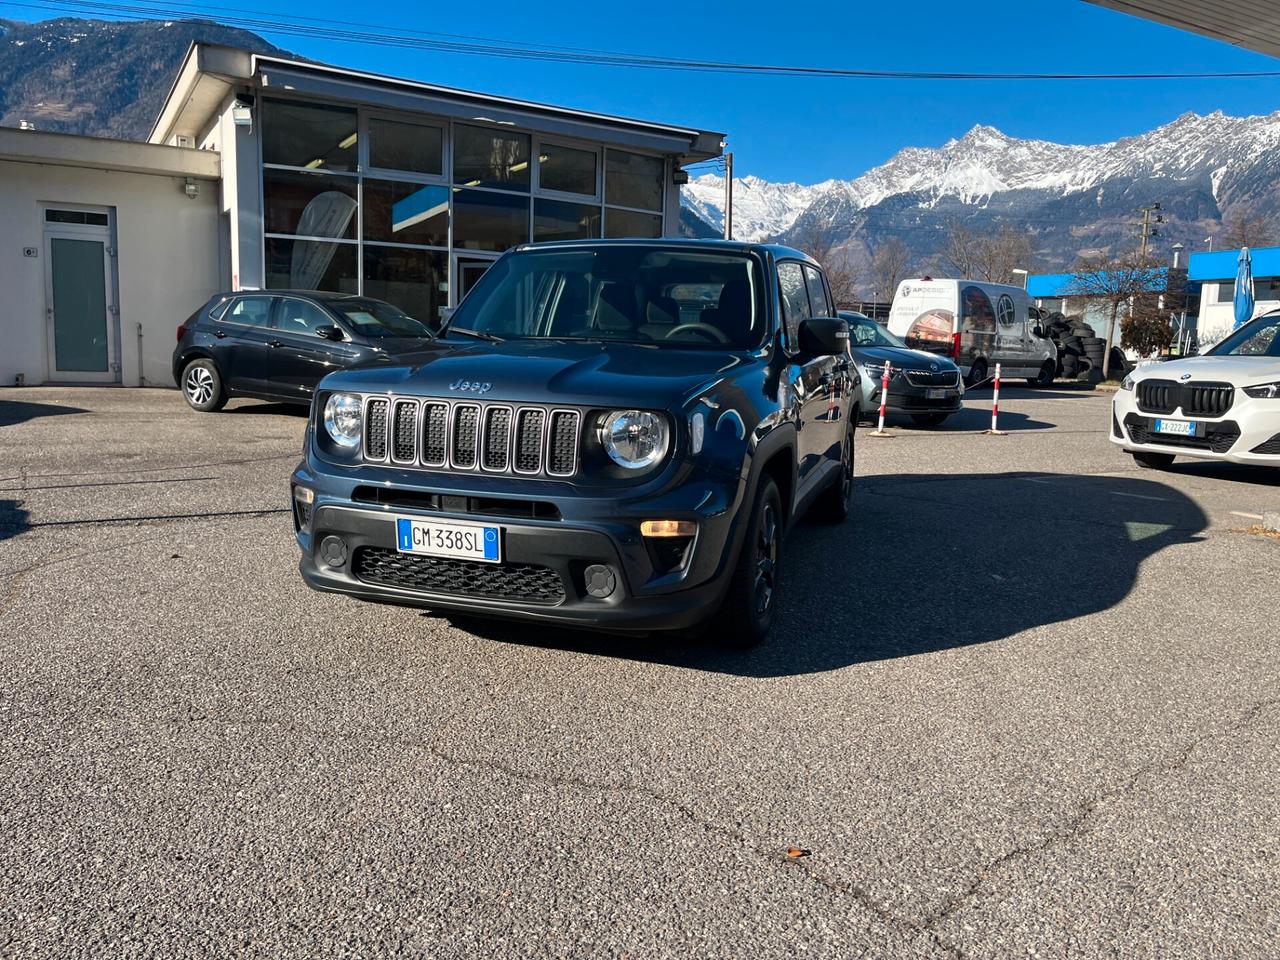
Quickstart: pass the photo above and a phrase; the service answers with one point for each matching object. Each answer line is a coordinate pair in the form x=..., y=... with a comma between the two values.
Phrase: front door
x=82, y=320
x=299, y=356
x=468, y=271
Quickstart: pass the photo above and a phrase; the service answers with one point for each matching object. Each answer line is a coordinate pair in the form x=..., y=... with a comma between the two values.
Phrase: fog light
x=668, y=528
x=333, y=550
x=599, y=581
x=304, y=495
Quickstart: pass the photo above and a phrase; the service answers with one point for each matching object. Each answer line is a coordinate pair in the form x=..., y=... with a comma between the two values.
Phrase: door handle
x=274, y=343
x=220, y=334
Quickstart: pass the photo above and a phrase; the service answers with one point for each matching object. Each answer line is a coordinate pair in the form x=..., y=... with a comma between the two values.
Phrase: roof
x=101, y=153
x=1222, y=264
x=1045, y=285
x=210, y=73
x=1252, y=24
x=777, y=250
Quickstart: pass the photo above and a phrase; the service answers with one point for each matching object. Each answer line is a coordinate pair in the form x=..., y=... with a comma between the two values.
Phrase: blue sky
x=812, y=129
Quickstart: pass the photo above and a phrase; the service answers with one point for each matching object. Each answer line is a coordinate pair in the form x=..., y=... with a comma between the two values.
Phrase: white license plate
x=468, y=541
x=937, y=393
x=1176, y=428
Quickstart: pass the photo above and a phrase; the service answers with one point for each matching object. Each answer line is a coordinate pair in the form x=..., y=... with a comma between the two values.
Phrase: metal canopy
x=1250, y=24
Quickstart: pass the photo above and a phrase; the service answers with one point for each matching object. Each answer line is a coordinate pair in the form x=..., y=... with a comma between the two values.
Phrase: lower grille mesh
x=1219, y=438
x=1271, y=446
x=524, y=582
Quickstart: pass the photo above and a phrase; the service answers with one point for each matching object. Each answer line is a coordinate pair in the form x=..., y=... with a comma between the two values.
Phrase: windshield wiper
x=478, y=334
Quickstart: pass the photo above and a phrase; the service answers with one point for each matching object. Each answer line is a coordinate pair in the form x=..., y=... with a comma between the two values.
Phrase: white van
x=976, y=324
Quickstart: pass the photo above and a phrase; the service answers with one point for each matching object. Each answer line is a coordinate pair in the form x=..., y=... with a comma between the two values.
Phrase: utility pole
x=1149, y=228
x=728, y=195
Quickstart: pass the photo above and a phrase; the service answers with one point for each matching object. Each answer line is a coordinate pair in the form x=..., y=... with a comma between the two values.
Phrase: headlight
x=635, y=439
x=1127, y=382
x=342, y=419
x=1264, y=391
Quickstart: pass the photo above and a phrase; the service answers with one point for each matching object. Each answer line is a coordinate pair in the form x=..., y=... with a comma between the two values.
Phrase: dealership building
x=269, y=173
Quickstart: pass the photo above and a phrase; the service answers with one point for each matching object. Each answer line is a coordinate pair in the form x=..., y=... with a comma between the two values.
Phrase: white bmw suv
x=1224, y=405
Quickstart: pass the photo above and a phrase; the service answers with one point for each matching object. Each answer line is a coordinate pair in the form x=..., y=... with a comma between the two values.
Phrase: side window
x=795, y=299
x=301, y=317
x=818, y=301
x=249, y=311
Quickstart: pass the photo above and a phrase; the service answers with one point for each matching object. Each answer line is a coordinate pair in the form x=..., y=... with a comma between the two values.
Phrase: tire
x=1153, y=461
x=929, y=419
x=977, y=373
x=1047, y=374
x=202, y=386
x=834, y=504
x=751, y=604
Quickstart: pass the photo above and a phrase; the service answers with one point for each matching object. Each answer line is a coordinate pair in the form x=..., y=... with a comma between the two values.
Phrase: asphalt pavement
x=1024, y=703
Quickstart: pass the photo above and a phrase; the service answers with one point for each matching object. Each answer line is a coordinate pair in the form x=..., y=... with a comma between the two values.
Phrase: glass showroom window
x=309, y=204
x=308, y=135
x=414, y=213
x=486, y=220
x=406, y=147
x=490, y=158
x=633, y=193
x=564, y=169
x=416, y=281
x=295, y=264
x=558, y=220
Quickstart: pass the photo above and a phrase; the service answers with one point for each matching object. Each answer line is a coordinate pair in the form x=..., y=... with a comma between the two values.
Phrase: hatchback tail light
x=955, y=346
x=182, y=331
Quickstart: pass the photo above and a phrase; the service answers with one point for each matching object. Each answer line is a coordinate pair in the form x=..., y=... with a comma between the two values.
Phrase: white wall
x=1219, y=319
x=167, y=263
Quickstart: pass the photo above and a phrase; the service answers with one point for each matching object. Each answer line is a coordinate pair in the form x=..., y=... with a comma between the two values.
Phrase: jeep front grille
x=472, y=436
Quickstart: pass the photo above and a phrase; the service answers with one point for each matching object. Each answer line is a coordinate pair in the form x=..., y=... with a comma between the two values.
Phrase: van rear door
x=924, y=314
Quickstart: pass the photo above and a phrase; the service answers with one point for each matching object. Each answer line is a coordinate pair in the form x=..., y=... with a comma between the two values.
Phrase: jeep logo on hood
x=471, y=386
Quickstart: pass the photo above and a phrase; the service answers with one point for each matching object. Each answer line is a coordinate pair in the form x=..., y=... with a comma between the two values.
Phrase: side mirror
x=1038, y=330
x=824, y=337
x=333, y=332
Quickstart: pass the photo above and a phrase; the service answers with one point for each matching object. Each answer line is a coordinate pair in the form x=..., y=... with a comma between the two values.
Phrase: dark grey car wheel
x=202, y=386
x=751, y=604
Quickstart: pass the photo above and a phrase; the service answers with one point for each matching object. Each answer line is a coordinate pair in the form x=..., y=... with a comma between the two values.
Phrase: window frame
x=596, y=149
x=365, y=160
x=790, y=344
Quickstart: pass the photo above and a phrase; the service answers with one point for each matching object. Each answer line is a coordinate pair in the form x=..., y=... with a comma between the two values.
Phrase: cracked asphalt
x=1025, y=703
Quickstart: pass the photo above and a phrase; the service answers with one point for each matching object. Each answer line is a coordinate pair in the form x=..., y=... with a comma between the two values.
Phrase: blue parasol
x=1244, y=288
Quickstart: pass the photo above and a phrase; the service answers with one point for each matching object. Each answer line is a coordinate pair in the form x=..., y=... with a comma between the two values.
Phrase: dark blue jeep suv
x=608, y=434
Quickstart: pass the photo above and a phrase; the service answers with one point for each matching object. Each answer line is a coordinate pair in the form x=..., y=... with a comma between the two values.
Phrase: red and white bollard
x=995, y=405
x=884, y=398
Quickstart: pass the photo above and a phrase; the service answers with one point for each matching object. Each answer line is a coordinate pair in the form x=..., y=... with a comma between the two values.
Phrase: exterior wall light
x=191, y=189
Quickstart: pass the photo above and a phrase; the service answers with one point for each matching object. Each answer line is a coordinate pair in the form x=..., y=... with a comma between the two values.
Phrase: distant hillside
x=99, y=77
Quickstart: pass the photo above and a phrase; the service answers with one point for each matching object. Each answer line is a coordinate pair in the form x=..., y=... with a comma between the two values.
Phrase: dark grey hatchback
x=277, y=345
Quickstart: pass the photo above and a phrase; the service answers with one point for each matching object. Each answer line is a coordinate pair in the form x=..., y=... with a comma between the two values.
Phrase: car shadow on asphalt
x=268, y=408
x=1222, y=470
x=930, y=563
x=14, y=521
x=13, y=412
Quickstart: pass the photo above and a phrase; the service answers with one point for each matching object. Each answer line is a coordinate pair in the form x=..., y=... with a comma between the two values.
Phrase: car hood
x=901, y=357
x=1240, y=371
x=545, y=371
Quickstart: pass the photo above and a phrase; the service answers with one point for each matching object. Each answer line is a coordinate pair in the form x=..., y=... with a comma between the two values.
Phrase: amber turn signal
x=668, y=528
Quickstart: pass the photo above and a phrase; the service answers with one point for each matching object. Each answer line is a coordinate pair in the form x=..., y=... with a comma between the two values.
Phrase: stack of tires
x=1080, y=349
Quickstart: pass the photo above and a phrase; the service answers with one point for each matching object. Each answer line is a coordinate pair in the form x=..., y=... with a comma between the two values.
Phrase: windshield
x=865, y=332
x=1258, y=338
x=665, y=296
x=377, y=318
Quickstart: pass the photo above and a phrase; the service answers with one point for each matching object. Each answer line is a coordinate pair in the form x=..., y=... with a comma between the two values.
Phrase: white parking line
x=1247, y=516
x=1137, y=496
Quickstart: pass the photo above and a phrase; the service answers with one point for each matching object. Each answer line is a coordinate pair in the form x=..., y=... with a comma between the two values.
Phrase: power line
x=397, y=36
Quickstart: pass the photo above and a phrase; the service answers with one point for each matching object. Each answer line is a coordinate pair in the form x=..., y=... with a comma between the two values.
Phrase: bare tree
x=821, y=241
x=1127, y=279
x=889, y=265
x=1241, y=228
x=960, y=251
x=973, y=256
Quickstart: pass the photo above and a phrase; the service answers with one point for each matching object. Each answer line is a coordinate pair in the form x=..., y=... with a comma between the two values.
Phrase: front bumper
x=1249, y=432
x=543, y=574
x=908, y=398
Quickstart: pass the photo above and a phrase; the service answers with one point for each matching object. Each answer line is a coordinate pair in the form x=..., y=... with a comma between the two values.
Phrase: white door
x=81, y=318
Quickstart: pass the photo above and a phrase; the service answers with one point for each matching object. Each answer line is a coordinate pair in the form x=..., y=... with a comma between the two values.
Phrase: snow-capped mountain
x=1070, y=197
